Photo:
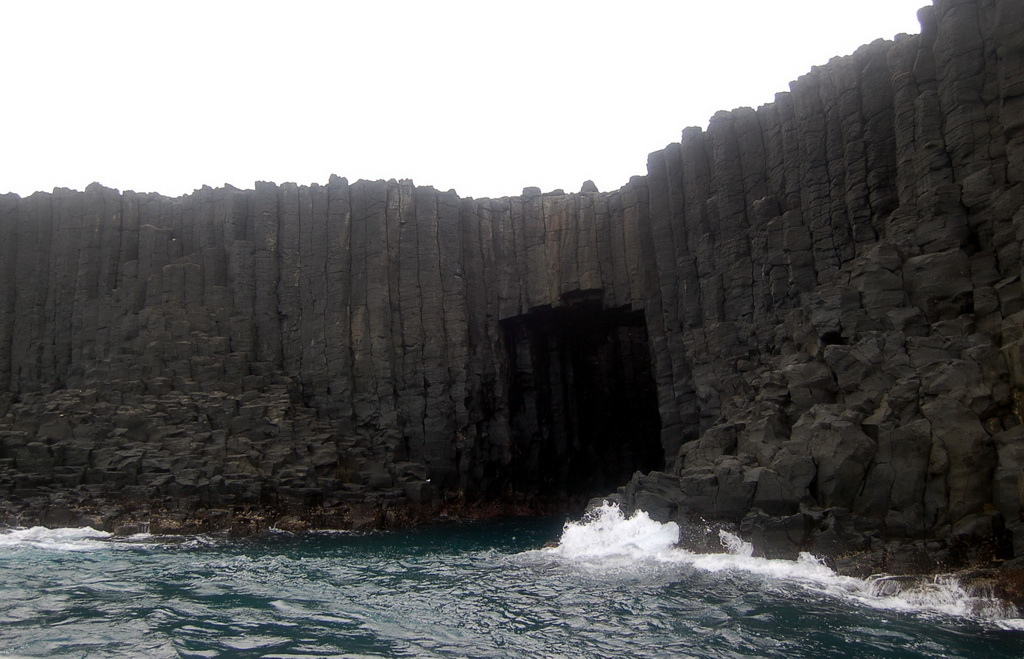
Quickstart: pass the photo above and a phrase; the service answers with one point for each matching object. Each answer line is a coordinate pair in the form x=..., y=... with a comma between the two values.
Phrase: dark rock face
x=842, y=311
x=583, y=406
x=807, y=320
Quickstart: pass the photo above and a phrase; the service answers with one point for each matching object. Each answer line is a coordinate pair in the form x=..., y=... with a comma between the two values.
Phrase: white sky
x=486, y=97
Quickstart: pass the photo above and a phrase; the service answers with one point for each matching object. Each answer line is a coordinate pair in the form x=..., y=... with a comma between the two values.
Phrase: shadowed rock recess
x=807, y=321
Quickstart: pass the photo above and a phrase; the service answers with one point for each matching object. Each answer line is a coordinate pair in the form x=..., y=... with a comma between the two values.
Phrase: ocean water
x=612, y=587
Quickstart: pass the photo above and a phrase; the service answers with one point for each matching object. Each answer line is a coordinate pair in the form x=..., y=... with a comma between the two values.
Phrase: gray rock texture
x=806, y=321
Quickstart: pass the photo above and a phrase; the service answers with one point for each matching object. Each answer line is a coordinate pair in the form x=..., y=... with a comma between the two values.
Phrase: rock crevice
x=829, y=287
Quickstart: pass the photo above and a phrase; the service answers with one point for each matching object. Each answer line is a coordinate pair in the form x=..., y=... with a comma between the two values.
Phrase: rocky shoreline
x=805, y=323
x=908, y=564
x=123, y=517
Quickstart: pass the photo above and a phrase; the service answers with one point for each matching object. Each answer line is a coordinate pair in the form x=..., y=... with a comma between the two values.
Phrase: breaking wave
x=39, y=537
x=613, y=586
x=606, y=539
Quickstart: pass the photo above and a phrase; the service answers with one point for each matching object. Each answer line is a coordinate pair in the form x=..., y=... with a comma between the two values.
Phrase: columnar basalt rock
x=825, y=294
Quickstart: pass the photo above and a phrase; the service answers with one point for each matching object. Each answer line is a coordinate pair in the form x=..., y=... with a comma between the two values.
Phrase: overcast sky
x=486, y=97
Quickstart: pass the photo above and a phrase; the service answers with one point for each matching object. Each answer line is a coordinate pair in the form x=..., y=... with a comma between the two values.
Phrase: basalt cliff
x=806, y=321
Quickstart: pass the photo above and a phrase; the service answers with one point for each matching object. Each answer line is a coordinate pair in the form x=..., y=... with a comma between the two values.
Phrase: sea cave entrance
x=583, y=405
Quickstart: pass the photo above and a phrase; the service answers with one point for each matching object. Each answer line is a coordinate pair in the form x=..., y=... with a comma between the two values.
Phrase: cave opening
x=583, y=405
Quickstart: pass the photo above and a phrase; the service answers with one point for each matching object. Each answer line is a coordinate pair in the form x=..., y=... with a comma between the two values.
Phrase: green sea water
x=612, y=588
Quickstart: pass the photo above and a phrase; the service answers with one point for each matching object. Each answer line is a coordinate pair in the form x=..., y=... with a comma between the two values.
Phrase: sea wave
x=70, y=539
x=86, y=539
x=606, y=539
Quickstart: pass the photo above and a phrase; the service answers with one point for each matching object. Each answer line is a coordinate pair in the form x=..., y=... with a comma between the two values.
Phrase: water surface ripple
x=473, y=590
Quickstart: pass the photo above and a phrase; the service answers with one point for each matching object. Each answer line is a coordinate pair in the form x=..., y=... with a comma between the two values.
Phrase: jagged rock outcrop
x=853, y=331
x=807, y=320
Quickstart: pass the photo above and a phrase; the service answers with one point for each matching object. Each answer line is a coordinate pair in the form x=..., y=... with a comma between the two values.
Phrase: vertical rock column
x=1009, y=16
x=338, y=303
x=437, y=450
x=266, y=304
x=8, y=291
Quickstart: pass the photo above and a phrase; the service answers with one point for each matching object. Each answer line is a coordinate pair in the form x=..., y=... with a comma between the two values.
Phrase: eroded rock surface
x=824, y=294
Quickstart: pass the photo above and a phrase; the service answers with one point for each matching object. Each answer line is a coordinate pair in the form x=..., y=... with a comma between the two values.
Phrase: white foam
x=72, y=539
x=605, y=538
x=734, y=544
x=941, y=594
x=605, y=534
